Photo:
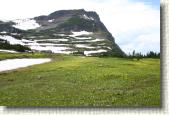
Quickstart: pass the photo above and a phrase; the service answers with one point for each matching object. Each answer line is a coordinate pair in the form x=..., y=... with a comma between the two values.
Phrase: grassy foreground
x=82, y=81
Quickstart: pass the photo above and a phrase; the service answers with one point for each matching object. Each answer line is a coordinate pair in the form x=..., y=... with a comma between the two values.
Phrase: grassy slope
x=90, y=81
x=4, y=55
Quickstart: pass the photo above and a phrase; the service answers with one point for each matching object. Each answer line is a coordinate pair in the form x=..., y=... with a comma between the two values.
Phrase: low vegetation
x=81, y=81
x=20, y=48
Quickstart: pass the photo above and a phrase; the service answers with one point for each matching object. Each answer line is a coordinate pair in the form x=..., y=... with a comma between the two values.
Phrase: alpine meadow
x=69, y=58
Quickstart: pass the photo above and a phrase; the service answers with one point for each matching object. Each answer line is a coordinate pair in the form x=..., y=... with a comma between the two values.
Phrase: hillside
x=76, y=32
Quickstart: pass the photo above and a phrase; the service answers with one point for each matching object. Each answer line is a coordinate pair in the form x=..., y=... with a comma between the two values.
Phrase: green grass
x=4, y=55
x=79, y=81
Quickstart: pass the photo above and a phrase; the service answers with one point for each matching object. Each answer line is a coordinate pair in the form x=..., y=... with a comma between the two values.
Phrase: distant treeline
x=5, y=45
x=138, y=56
x=133, y=55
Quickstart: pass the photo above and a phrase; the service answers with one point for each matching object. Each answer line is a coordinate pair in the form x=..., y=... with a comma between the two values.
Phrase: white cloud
x=128, y=21
x=143, y=43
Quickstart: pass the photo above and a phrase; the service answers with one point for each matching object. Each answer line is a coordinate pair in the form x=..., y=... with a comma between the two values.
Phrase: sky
x=135, y=24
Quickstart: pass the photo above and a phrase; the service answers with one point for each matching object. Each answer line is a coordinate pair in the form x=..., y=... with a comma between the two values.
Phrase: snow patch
x=83, y=38
x=11, y=64
x=27, y=41
x=11, y=40
x=3, y=32
x=46, y=44
x=51, y=20
x=88, y=40
x=60, y=35
x=32, y=44
x=87, y=17
x=26, y=24
x=84, y=46
x=88, y=53
x=63, y=40
x=15, y=34
x=9, y=51
x=109, y=48
x=97, y=40
x=52, y=49
x=32, y=37
x=80, y=33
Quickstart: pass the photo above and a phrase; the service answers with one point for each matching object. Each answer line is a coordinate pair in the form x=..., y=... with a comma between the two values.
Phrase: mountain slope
x=67, y=31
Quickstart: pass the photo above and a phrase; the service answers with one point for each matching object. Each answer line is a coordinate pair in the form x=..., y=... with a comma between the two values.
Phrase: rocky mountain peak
x=64, y=31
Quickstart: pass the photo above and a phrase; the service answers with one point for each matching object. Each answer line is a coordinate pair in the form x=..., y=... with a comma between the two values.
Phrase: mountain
x=76, y=32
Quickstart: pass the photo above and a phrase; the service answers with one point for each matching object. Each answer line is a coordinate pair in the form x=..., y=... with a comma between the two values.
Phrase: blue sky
x=154, y=3
x=135, y=24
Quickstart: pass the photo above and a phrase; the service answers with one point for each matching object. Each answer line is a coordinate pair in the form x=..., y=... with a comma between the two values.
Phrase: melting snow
x=11, y=40
x=83, y=46
x=56, y=47
x=9, y=51
x=26, y=24
x=32, y=44
x=46, y=44
x=15, y=34
x=27, y=41
x=109, y=48
x=53, y=40
x=60, y=35
x=52, y=49
x=87, y=40
x=10, y=64
x=97, y=40
x=3, y=32
x=80, y=33
x=32, y=36
x=83, y=38
x=51, y=20
x=63, y=40
x=88, y=53
x=87, y=17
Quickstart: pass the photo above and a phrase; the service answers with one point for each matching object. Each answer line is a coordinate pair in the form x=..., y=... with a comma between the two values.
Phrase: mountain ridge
x=60, y=28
